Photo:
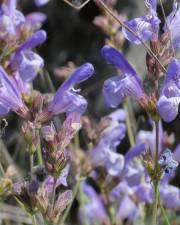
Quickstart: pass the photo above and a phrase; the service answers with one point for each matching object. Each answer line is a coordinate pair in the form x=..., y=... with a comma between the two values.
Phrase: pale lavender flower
x=169, y=100
x=174, y=26
x=10, y=95
x=10, y=19
x=126, y=84
x=170, y=195
x=127, y=210
x=27, y=62
x=146, y=27
x=93, y=211
x=66, y=99
x=104, y=154
x=144, y=192
x=34, y=20
x=149, y=138
x=62, y=180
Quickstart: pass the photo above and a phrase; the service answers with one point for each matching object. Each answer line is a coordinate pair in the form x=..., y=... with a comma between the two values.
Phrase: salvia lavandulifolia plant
x=118, y=169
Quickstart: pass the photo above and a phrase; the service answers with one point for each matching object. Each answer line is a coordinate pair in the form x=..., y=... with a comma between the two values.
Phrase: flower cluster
x=117, y=170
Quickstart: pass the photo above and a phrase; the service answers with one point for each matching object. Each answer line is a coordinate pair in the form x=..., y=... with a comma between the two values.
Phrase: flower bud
x=30, y=135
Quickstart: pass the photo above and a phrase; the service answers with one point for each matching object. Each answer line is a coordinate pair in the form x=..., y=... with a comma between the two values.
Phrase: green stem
x=76, y=188
x=156, y=182
x=2, y=169
x=155, y=203
x=164, y=214
x=163, y=211
x=34, y=220
x=129, y=124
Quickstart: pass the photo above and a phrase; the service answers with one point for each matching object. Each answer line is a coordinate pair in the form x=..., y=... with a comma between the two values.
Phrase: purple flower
x=170, y=195
x=149, y=138
x=127, y=210
x=122, y=189
x=104, y=152
x=133, y=173
x=27, y=62
x=146, y=27
x=10, y=95
x=10, y=19
x=62, y=180
x=34, y=20
x=144, y=192
x=93, y=212
x=173, y=25
x=169, y=100
x=66, y=98
x=135, y=151
x=127, y=84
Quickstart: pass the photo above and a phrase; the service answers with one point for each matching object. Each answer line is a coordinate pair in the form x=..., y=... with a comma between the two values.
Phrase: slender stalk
x=2, y=169
x=34, y=220
x=66, y=213
x=155, y=203
x=157, y=145
x=129, y=125
x=164, y=213
x=156, y=182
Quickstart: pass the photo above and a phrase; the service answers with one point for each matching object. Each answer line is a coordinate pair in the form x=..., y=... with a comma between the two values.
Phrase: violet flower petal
x=94, y=210
x=146, y=27
x=114, y=57
x=135, y=151
x=170, y=195
x=117, y=87
x=144, y=192
x=173, y=25
x=36, y=39
x=3, y=110
x=67, y=102
x=168, y=108
x=29, y=65
x=127, y=210
x=62, y=180
x=65, y=99
x=10, y=96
